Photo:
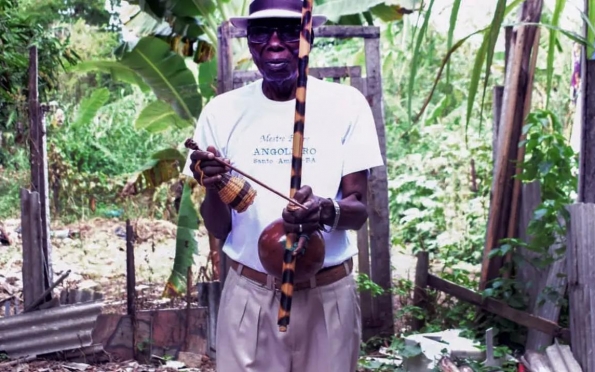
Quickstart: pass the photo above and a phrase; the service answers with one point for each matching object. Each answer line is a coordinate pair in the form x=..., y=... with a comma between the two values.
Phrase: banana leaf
x=166, y=73
x=117, y=71
x=90, y=106
x=158, y=116
x=186, y=245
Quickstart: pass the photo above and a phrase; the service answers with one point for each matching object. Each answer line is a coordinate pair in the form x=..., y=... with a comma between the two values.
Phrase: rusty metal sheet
x=46, y=331
x=169, y=331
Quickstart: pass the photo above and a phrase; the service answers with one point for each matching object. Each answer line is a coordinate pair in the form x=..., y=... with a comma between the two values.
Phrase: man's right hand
x=209, y=171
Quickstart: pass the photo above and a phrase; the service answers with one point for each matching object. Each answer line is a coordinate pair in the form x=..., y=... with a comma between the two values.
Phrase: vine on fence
x=551, y=162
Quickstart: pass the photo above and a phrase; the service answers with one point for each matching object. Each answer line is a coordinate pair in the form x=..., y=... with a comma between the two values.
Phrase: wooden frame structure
x=373, y=239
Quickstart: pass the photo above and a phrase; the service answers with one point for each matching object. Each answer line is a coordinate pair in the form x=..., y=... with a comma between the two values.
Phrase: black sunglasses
x=262, y=34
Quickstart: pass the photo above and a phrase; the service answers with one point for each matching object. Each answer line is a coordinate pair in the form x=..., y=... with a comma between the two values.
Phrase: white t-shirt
x=256, y=134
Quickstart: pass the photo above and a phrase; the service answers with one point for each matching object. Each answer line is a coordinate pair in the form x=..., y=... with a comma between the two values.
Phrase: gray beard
x=281, y=82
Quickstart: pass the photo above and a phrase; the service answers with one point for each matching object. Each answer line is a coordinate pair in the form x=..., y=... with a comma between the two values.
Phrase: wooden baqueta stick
x=190, y=144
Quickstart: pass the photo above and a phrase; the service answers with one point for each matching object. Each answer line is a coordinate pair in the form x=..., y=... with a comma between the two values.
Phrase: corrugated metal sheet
x=46, y=331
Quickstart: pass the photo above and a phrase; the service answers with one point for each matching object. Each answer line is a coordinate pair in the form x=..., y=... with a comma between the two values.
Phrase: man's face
x=274, y=45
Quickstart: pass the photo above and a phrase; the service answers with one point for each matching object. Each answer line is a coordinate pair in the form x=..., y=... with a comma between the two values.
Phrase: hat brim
x=242, y=22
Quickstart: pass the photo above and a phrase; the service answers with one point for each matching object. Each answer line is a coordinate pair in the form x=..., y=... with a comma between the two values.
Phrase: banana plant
x=186, y=244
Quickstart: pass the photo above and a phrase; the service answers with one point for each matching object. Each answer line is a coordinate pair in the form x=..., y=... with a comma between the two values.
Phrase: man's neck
x=279, y=90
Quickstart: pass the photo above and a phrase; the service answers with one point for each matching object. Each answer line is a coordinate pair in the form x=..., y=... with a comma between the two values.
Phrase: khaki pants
x=323, y=335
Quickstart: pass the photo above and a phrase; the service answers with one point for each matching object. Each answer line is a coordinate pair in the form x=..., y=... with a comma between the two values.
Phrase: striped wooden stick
x=289, y=259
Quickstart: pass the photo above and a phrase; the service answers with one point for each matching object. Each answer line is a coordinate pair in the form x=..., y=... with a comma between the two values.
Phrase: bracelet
x=337, y=215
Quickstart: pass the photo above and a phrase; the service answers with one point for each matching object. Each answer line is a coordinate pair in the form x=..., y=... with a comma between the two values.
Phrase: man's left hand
x=300, y=220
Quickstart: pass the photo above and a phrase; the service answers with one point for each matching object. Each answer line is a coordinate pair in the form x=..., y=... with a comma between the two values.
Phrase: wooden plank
x=586, y=192
x=33, y=278
x=561, y=358
x=581, y=276
x=498, y=307
x=515, y=92
x=552, y=281
x=379, y=223
x=339, y=32
x=39, y=166
x=515, y=204
x=498, y=93
x=527, y=274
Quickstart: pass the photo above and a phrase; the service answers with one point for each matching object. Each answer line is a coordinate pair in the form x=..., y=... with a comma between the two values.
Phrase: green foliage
x=553, y=164
x=440, y=186
x=94, y=159
x=19, y=31
x=186, y=244
x=93, y=12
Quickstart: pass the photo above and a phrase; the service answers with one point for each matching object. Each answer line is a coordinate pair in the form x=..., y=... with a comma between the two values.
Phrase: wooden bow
x=296, y=162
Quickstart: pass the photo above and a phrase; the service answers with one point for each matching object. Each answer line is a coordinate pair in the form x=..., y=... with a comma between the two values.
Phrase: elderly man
x=252, y=127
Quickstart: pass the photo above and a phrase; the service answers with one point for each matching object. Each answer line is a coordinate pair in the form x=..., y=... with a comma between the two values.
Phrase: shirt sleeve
x=205, y=135
x=361, y=149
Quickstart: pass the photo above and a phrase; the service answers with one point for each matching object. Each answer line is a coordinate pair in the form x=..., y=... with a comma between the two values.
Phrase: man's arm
x=353, y=206
x=216, y=214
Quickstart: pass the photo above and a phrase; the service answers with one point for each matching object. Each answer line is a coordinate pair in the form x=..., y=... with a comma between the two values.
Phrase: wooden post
x=379, y=221
x=224, y=84
x=131, y=285
x=33, y=268
x=38, y=161
x=209, y=296
x=586, y=193
x=580, y=255
x=419, y=291
x=581, y=279
x=363, y=246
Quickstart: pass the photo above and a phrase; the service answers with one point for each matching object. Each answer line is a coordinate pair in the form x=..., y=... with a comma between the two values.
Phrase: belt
x=326, y=276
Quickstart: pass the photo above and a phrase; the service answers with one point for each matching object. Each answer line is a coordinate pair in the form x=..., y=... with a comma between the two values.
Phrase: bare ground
x=96, y=256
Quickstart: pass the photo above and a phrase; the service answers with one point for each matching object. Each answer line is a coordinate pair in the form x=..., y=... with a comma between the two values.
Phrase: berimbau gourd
x=289, y=257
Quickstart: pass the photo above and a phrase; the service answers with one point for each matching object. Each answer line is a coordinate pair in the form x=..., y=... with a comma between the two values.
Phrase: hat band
x=292, y=5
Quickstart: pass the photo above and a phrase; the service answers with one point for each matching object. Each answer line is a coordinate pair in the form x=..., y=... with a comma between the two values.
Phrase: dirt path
x=96, y=256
